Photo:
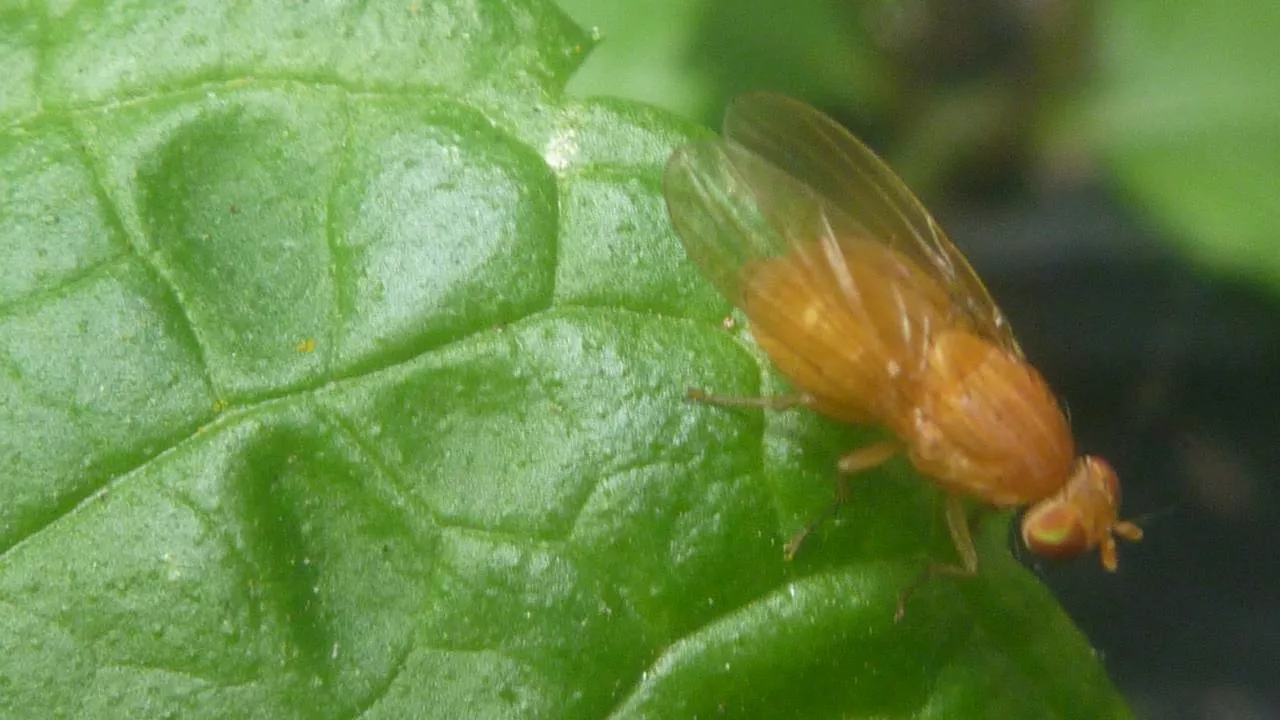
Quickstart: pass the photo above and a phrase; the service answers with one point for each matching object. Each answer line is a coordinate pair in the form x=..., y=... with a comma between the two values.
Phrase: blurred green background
x=1111, y=170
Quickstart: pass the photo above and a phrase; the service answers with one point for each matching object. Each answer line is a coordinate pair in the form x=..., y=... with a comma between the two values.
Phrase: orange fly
x=861, y=301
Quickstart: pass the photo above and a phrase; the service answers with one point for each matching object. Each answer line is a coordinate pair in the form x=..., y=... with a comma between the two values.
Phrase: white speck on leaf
x=561, y=149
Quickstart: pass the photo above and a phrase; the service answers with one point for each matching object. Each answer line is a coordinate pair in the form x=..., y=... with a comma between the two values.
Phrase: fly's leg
x=775, y=402
x=958, y=526
x=854, y=462
x=868, y=457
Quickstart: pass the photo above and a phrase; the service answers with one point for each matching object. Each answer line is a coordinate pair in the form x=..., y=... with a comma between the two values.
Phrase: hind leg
x=774, y=402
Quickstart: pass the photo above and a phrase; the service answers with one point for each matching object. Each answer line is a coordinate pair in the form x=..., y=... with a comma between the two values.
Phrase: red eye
x=1054, y=530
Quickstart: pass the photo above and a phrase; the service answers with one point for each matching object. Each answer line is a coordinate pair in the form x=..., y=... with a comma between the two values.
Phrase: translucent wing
x=818, y=152
x=845, y=319
x=844, y=294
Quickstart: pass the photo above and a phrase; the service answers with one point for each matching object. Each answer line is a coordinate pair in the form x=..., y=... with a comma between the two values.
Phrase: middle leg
x=962, y=539
x=854, y=462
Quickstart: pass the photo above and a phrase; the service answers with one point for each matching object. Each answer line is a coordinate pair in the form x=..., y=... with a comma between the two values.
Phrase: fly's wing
x=852, y=182
x=715, y=212
x=844, y=316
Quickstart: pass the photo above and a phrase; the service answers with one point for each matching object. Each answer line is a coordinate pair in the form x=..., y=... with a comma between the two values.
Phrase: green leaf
x=342, y=365
x=1189, y=120
x=644, y=53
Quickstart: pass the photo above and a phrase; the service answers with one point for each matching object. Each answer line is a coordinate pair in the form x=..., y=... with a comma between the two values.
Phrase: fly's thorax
x=985, y=423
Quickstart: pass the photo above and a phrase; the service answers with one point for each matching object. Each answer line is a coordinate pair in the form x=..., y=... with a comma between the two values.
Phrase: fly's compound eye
x=1054, y=530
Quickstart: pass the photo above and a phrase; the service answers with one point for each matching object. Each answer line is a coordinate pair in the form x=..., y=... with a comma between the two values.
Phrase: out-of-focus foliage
x=1178, y=103
x=1188, y=119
